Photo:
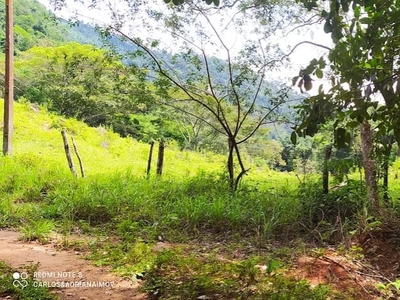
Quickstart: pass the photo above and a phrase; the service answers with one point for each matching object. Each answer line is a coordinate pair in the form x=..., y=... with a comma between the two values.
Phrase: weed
x=390, y=290
x=189, y=201
x=37, y=230
x=331, y=217
x=179, y=275
x=126, y=259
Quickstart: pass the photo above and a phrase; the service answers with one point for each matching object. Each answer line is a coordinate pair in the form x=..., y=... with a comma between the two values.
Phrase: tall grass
x=165, y=204
x=192, y=194
x=38, y=190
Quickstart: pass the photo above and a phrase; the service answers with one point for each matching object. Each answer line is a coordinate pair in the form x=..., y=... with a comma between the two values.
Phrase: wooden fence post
x=68, y=152
x=150, y=157
x=78, y=156
x=160, y=161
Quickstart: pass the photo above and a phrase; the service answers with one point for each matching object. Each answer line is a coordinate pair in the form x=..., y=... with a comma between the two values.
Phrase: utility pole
x=9, y=81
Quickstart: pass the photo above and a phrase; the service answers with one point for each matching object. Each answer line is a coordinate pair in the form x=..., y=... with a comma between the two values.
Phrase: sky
x=300, y=57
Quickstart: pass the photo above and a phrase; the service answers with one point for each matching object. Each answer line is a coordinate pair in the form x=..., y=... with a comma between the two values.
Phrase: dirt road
x=57, y=267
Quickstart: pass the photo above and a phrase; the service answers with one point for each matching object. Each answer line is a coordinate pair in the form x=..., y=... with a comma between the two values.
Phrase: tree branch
x=306, y=42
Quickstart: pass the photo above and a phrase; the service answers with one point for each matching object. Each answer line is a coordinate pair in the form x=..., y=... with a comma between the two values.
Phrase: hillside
x=170, y=231
x=35, y=26
x=220, y=222
x=38, y=135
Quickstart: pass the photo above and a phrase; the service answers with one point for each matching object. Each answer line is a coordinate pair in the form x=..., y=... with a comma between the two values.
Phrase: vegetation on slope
x=190, y=204
x=187, y=205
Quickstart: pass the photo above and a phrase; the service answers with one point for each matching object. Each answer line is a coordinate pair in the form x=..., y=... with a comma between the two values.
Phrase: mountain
x=36, y=26
x=33, y=26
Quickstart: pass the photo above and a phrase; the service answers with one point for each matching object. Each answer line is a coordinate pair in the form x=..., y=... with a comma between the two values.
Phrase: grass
x=30, y=291
x=190, y=204
x=175, y=275
x=37, y=230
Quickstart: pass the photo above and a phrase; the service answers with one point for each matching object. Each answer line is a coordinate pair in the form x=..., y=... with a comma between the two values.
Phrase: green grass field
x=189, y=204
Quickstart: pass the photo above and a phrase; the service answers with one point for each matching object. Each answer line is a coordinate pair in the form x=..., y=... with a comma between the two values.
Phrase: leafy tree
x=80, y=81
x=364, y=67
x=228, y=92
x=234, y=98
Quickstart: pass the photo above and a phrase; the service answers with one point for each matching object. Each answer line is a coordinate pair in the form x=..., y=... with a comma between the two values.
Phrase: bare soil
x=382, y=249
x=343, y=272
x=72, y=267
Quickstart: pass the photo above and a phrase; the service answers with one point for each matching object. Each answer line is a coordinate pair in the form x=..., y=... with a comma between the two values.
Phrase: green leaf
x=377, y=52
x=353, y=124
x=341, y=137
x=328, y=26
x=357, y=11
x=345, y=5
x=319, y=73
x=293, y=138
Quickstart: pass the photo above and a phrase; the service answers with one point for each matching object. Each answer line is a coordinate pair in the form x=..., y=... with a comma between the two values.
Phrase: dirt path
x=65, y=266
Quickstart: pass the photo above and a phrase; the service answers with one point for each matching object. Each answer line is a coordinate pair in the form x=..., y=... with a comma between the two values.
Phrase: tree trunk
x=234, y=151
x=243, y=171
x=325, y=171
x=388, y=141
x=369, y=168
x=230, y=165
x=386, y=180
x=160, y=161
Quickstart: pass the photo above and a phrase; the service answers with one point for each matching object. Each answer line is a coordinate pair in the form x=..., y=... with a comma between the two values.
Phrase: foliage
x=330, y=217
x=231, y=95
x=117, y=189
x=179, y=2
x=391, y=289
x=117, y=199
x=80, y=81
x=358, y=60
x=128, y=108
x=199, y=276
x=37, y=230
x=128, y=260
x=363, y=69
x=33, y=26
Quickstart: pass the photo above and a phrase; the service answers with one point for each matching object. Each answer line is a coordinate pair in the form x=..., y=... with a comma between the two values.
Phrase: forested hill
x=62, y=67
x=34, y=25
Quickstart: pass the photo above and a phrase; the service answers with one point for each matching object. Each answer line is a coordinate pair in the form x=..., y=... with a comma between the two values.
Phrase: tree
x=364, y=67
x=81, y=81
x=233, y=94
